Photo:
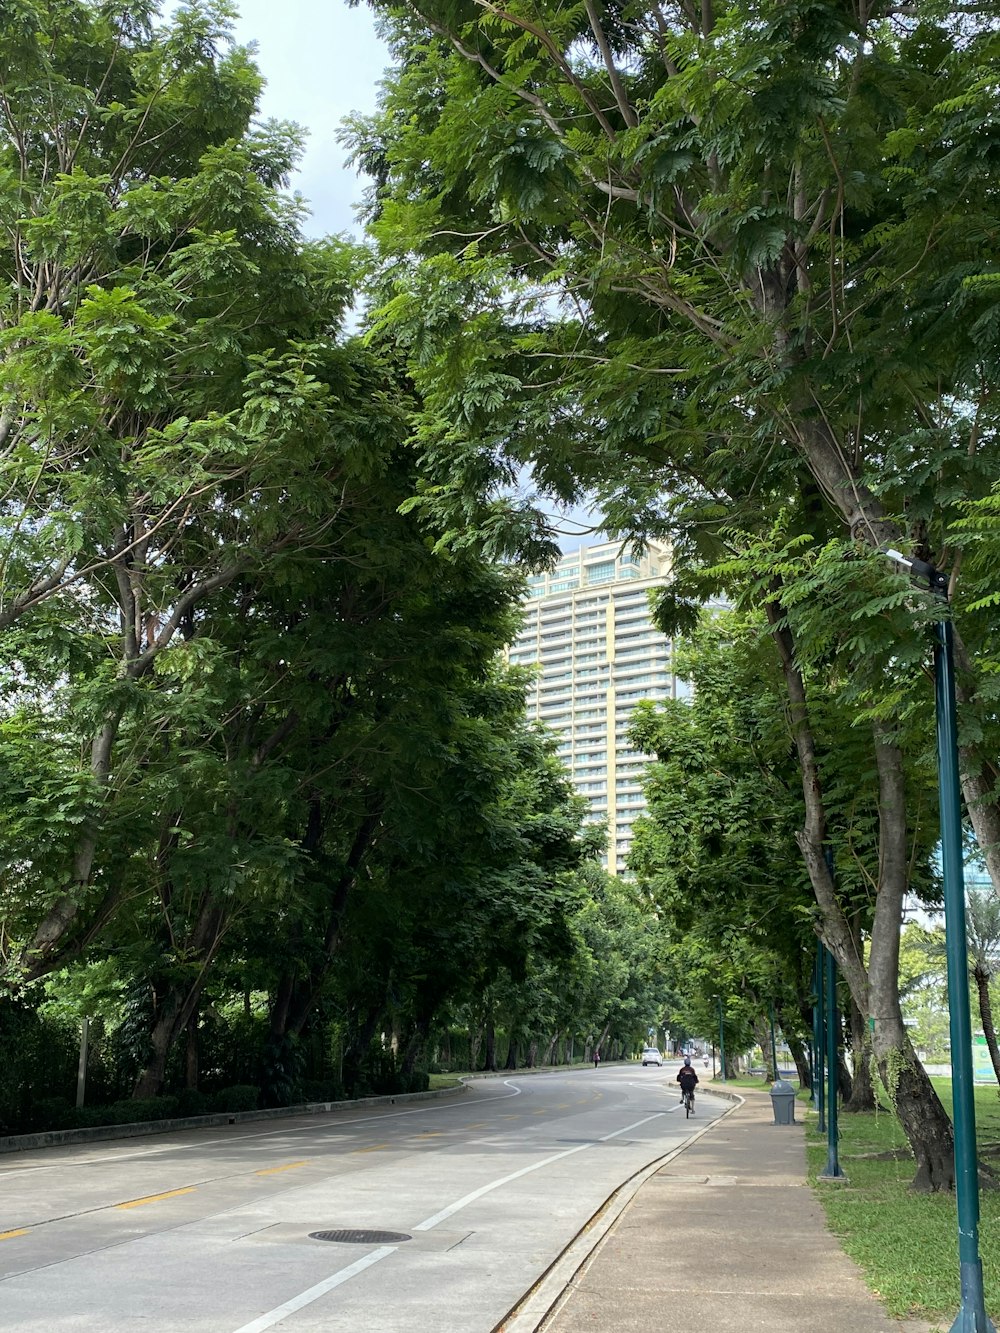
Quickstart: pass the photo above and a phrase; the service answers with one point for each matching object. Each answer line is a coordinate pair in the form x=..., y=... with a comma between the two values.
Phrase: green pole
x=774, y=1049
x=818, y=1035
x=722, y=1043
x=832, y=1170
x=972, y=1316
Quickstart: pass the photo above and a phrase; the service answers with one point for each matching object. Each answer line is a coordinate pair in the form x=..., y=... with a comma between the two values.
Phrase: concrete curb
x=543, y=1300
x=54, y=1138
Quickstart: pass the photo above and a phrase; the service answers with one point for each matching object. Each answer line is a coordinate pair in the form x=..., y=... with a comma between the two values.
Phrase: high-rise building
x=588, y=632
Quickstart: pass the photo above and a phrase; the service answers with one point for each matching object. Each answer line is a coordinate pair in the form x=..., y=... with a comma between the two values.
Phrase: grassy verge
x=906, y=1244
x=441, y=1081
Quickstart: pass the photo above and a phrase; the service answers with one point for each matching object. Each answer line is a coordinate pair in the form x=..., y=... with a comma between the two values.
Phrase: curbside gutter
x=54, y=1138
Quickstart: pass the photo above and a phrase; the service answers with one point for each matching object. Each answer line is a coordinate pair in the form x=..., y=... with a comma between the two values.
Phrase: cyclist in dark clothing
x=687, y=1077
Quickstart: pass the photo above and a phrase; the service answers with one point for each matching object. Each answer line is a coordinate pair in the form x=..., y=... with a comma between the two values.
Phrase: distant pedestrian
x=597, y=1058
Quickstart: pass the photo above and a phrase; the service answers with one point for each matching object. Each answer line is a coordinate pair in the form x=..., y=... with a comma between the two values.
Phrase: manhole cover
x=361, y=1237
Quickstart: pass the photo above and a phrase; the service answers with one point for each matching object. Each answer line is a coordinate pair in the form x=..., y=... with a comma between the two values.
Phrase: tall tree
x=733, y=204
x=162, y=419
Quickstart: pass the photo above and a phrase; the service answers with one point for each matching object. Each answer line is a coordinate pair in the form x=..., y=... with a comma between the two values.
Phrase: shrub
x=192, y=1102
x=322, y=1090
x=240, y=1097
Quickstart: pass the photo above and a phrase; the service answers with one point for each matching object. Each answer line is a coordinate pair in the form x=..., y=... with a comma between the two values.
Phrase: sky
x=321, y=61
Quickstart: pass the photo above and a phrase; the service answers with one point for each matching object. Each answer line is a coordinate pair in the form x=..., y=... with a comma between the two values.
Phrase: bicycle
x=688, y=1098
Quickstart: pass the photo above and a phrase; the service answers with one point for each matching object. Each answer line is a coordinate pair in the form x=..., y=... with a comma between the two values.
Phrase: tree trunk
x=862, y=1096
x=532, y=1054
x=171, y=1021
x=181, y=1001
x=511, y=1062
x=801, y=1059
x=550, y=1052
x=491, y=1047
x=416, y=1044
x=762, y=1035
x=921, y=1114
x=845, y=1080
x=191, y=1061
x=982, y=977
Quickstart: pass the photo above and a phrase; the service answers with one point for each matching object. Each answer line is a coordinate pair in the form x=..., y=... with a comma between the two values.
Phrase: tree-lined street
x=210, y=1230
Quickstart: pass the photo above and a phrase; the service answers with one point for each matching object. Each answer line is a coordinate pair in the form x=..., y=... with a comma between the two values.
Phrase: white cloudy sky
x=322, y=61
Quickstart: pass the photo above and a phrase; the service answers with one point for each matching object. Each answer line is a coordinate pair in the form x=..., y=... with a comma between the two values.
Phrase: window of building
x=604, y=572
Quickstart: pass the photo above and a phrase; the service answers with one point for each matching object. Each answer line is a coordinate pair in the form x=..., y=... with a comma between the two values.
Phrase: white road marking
x=307, y=1297
x=429, y=1222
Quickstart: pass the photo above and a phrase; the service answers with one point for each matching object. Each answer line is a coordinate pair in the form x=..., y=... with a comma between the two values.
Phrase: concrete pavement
x=725, y=1236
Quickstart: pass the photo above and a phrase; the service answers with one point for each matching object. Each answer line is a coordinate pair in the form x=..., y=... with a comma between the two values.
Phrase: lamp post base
x=972, y=1317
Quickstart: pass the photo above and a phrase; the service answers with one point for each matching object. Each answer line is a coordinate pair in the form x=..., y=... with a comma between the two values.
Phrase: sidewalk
x=726, y=1237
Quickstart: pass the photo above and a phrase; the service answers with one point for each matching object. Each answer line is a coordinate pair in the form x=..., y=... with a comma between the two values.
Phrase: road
x=208, y=1231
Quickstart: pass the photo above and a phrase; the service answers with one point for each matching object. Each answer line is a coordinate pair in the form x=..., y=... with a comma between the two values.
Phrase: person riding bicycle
x=687, y=1077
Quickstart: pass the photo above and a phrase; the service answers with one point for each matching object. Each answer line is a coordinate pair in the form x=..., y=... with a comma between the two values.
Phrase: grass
x=441, y=1081
x=905, y=1243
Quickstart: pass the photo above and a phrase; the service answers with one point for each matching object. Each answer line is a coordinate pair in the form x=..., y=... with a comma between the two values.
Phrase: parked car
x=651, y=1056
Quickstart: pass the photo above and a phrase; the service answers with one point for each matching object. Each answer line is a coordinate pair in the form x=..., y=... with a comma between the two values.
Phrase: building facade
x=588, y=633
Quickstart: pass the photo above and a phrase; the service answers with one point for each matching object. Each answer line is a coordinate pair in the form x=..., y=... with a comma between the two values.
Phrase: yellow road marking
x=478, y=1125
x=539, y=1113
x=432, y=1134
x=376, y=1147
x=9, y=1235
x=155, y=1198
x=273, y=1170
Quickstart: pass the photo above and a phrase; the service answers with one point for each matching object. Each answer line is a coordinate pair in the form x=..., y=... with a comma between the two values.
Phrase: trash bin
x=783, y=1101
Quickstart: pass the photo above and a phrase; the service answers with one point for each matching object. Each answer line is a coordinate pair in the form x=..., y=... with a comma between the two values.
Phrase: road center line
x=430, y=1222
x=311, y=1294
x=274, y=1170
x=155, y=1198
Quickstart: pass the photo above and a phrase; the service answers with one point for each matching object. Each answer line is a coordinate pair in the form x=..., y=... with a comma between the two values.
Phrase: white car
x=651, y=1056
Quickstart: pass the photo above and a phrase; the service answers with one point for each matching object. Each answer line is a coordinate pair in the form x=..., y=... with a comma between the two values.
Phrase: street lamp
x=819, y=1034
x=972, y=1316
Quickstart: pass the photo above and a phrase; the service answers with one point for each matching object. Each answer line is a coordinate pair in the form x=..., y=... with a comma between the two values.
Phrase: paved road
x=208, y=1231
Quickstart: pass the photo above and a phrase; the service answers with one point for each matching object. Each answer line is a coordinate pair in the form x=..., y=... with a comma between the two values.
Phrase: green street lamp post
x=818, y=1038
x=832, y=1169
x=774, y=1048
x=972, y=1316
